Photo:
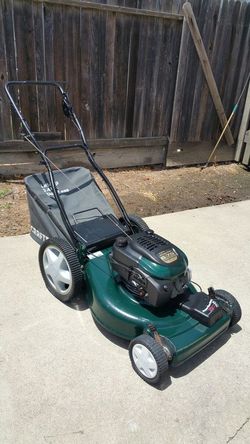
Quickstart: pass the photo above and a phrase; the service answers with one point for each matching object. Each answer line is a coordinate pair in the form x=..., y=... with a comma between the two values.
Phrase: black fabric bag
x=82, y=199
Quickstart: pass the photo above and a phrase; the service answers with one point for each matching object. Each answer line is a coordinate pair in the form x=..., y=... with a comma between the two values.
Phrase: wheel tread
x=157, y=351
x=75, y=267
x=228, y=297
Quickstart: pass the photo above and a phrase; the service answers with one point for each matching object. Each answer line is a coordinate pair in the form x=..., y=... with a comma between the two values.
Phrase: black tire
x=159, y=356
x=138, y=223
x=228, y=297
x=73, y=267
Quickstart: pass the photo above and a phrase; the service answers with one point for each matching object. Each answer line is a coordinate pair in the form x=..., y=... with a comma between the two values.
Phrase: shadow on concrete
x=123, y=343
x=80, y=304
x=203, y=355
x=186, y=367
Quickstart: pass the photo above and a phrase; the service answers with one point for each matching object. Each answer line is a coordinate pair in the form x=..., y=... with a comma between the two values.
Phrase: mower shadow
x=80, y=304
x=123, y=343
x=203, y=355
x=77, y=303
x=187, y=366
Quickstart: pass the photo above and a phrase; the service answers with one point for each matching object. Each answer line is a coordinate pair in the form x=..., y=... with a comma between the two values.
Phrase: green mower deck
x=118, y=312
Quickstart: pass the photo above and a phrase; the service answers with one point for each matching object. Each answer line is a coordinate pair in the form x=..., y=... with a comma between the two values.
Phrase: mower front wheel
x=60, y=269
x=148, y=358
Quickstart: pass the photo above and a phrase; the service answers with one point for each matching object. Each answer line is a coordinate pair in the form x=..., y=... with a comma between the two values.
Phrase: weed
x=5, y=206
x=3, y=192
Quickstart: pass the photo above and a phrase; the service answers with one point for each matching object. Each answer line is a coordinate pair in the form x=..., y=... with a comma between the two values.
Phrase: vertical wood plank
x=100, y=74
x=180, y=84
x=38, y=12
x=109, y=74
x=5, y=112
x=72, y=62
x=97, y=71
x=94, y=80
x=25, y=44
x=207, y=22
x=220, y=59
x=132, y=72
x=59, y=63
x=244, y=62
x=154, y=52
x=243, y=126
x=121, y=63
x=142, y=79
x=7, y=10
x=167, y=77
x=85, y=57
x=207, y=69
x=49, y=64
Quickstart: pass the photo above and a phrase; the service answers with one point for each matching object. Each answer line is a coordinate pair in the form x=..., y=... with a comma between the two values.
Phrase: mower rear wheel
x=148, y=358
x=60, y=268
x=229, y=298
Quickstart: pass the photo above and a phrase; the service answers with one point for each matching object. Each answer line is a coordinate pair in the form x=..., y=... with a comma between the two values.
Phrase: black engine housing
x=125, y=261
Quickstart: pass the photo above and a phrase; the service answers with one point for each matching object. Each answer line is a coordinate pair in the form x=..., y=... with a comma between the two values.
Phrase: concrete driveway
x=63, y=381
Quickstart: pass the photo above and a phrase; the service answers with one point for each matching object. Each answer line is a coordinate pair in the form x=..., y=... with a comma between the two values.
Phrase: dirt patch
x=145, y=191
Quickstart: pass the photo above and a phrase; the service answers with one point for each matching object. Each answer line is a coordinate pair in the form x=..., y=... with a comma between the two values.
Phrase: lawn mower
x=136, y=283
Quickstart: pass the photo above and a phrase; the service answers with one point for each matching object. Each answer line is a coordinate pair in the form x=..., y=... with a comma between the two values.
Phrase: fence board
x=132, y=72
x=169, y=57
x=121, y=61
x=128, y=71
x=208, y=24
x=40, y=66
x=24, y=33
x=116, y=8
x=49, y=66
x=191, y=153
x=10, y=55
x=20, y=158
x=109, y=74
x=59, y=60
x=180, y=84
x=5, y=113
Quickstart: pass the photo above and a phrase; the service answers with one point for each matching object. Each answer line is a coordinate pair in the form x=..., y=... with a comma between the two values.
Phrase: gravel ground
x=145, y=191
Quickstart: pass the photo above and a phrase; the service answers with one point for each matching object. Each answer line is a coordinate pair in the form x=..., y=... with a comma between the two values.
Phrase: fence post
x=202, y=54
x=243, y=127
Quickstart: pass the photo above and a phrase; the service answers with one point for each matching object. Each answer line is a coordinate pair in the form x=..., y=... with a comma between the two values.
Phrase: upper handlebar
x=34, y=82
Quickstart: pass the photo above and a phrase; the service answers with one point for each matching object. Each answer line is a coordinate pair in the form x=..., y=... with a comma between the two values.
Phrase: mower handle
x=69, y=112
x=33, y=82
x=61, y=147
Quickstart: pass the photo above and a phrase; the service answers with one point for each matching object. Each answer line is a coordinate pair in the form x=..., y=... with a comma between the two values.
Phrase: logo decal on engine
x=168, y=256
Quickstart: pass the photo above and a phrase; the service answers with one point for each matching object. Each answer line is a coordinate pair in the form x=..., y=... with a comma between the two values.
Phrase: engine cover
x=150, y=267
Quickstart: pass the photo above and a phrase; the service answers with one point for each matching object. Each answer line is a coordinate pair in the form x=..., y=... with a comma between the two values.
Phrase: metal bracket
x=165, y=343
x=211, y=292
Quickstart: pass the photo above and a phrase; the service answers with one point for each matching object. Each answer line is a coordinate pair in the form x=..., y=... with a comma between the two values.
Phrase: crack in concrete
x=238, y=430
x=78, y=432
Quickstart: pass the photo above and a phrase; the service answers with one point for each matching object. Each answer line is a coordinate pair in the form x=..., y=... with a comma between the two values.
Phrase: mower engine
x=150, y=267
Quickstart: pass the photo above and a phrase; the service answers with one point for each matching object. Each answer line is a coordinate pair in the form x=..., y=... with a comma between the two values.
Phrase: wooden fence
x=131, y=70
